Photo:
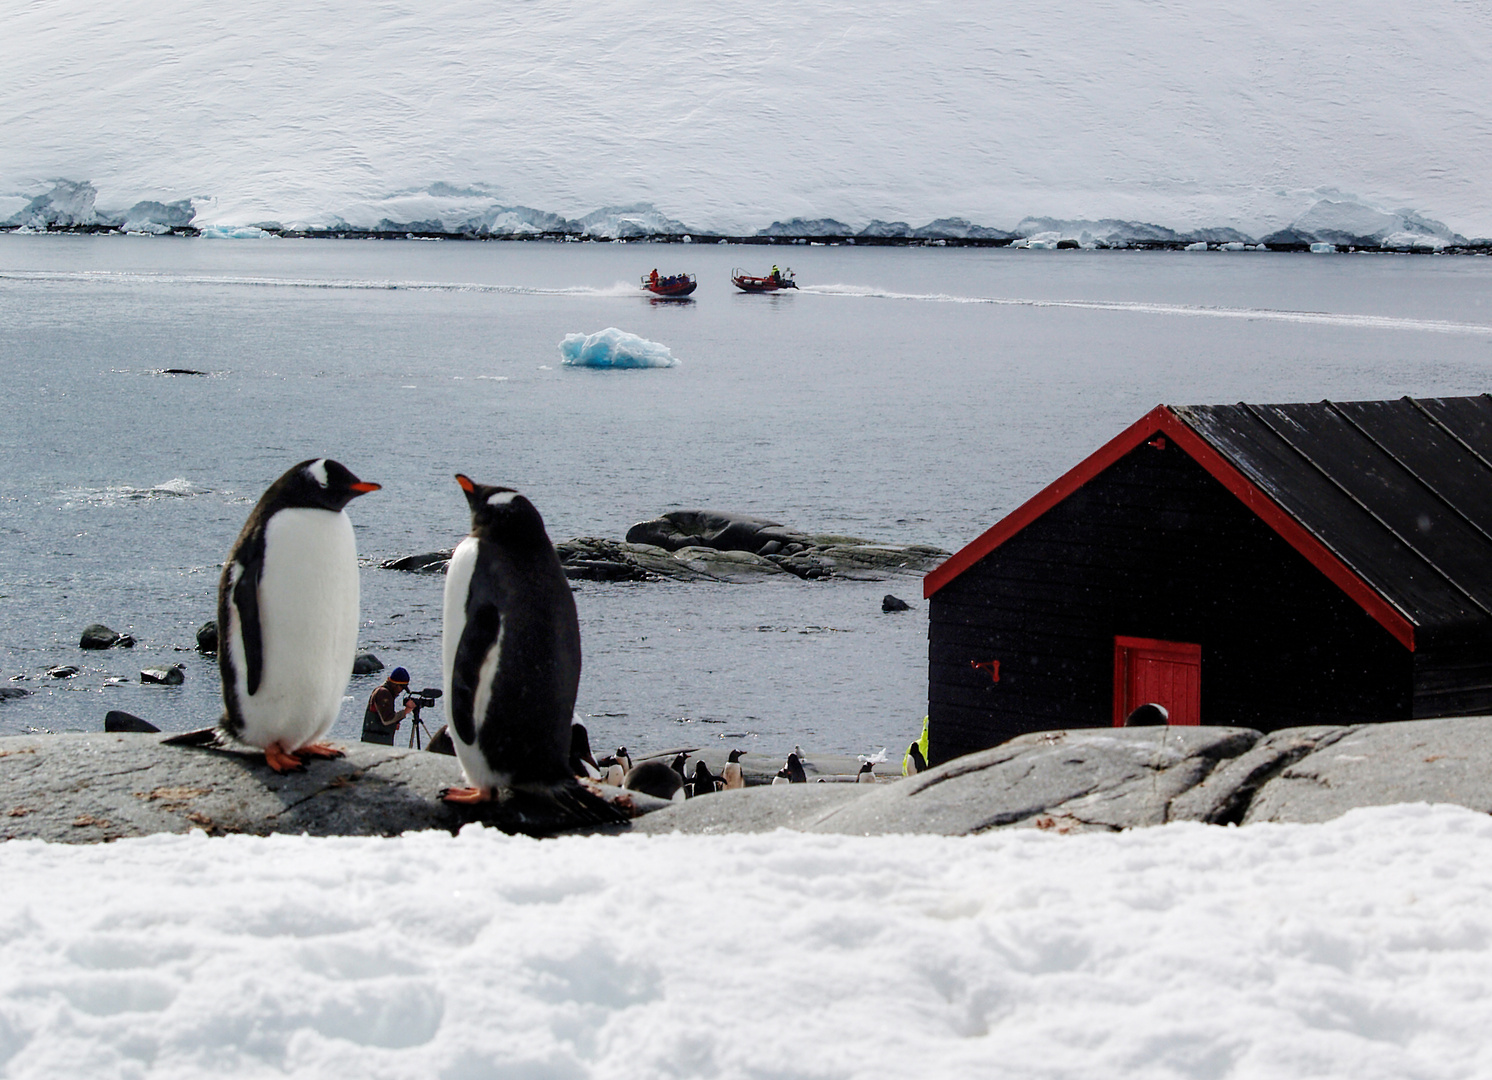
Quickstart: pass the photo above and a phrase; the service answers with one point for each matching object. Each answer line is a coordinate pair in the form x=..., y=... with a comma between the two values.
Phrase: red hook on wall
x=992, y=666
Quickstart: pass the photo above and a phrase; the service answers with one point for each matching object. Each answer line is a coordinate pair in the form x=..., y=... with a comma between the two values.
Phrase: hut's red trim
x=1162, y=421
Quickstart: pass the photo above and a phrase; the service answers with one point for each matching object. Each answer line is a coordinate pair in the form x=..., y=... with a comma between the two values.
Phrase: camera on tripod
x=420, y=699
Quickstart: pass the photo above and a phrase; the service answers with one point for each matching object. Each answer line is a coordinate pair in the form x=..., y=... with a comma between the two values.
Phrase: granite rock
x=169, y=675
x=207, y=637
x=1435, y=761
x=119, y=720
x=90, y=788
x=1103, y=779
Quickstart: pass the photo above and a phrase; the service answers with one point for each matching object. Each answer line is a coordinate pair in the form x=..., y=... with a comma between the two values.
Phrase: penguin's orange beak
x=362, y=487
x=465, y=482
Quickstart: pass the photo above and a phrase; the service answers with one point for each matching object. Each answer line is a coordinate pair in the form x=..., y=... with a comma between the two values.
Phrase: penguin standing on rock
x=511, y=658
x=731, y=774
x=288, y=615
x=794, y=768
x=867, y=774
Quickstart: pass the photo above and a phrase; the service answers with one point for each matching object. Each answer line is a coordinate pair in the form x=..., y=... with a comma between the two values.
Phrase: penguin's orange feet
x=276, y=758
x=320, y=749
x=466, y=796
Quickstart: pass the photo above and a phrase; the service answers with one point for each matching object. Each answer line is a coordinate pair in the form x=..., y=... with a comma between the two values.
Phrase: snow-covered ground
x=1188, y=115
x=1358, y=949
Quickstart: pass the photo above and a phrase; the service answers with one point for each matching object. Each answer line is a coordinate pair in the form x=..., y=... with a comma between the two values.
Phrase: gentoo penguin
x=613, y=775
x=916, y=763
x=511, y=657
x=732, y=774
x=288, y=613
x=794, y=768
x=677, y=765
x=867, y=774
x=782, y=777
x=656, y=779
x=705, y=782
x=624, y=759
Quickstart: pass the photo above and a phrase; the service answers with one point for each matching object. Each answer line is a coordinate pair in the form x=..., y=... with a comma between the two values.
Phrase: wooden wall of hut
x=1154, y=547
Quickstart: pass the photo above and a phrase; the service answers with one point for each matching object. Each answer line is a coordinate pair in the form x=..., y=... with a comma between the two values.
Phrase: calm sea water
x=905, y=395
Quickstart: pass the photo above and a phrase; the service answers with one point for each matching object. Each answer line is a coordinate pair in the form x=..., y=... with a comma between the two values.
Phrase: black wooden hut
x=1264, y=566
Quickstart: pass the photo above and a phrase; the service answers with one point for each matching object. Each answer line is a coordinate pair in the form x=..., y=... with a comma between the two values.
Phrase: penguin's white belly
x=458, y=584
x=308, y=620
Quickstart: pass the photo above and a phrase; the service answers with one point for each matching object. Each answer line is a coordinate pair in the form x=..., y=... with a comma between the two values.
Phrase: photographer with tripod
x=381, y=718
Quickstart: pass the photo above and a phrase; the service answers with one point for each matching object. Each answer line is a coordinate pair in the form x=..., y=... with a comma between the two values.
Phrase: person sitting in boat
x=776, y=275
x=653, y=278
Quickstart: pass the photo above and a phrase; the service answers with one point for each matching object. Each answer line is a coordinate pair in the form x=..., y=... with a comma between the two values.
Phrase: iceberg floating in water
x=613, y=348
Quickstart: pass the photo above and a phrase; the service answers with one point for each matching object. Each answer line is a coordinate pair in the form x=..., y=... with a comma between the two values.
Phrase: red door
x=1167, y=673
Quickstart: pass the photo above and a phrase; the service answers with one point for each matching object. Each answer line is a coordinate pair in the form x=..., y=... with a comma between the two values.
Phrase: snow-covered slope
x=1186, y=114
x=1358, y=950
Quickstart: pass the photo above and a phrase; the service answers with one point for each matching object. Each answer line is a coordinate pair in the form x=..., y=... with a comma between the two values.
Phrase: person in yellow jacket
x=915, y=760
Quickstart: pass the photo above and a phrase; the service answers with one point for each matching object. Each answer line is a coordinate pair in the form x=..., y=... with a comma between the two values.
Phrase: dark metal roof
x=1400, y=491
x=1392, y=500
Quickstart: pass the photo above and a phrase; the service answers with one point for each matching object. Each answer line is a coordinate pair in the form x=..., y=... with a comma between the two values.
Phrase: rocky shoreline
x=706, y=545
x=101, y=787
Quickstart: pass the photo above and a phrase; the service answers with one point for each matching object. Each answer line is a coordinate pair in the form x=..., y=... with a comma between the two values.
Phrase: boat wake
x=1322, y=318
x=118, y=277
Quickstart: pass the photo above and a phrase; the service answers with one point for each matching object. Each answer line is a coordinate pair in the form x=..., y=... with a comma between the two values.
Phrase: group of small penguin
x=655, y=777
x=288, y=610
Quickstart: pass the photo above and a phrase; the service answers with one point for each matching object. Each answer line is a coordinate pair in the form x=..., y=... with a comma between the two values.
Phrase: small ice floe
x=235, y=232
x=613, y=348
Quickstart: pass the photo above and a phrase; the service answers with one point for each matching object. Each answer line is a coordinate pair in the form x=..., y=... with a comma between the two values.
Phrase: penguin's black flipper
x=246, y=601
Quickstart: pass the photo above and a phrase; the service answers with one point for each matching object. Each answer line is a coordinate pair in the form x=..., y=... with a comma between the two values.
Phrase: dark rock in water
x=707, y=528
x=207, y=637
x=118, y=720
x=8, y=693
x=98, y=636
x=181, y=371
x=366, y=664
x=440, y=742
x=432, y=562
x=174, y=675
x=894, y=603
x=62, y=671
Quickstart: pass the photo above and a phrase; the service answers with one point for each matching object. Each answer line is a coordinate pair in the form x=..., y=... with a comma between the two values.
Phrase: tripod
x=416, y=726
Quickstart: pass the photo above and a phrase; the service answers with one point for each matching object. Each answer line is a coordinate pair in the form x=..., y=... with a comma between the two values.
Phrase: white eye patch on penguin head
x=498, y=512
x=320, y=483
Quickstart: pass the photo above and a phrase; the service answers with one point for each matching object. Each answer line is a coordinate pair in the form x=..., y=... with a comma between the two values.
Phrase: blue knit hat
x=399, y=675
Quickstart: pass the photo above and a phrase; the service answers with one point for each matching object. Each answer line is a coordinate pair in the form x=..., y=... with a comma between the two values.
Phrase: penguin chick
x=867, y=774
x=511, y=658
x=794, y=769
x=705, y=782
x=656, y=779
x=288, y=613
x=732, y=774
